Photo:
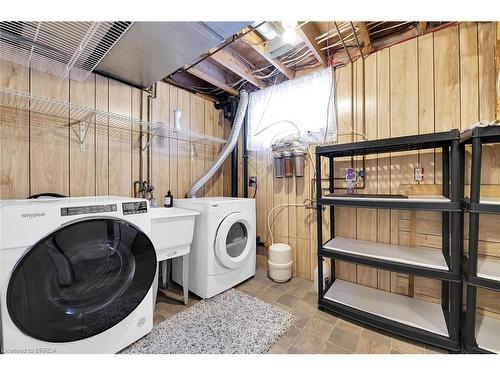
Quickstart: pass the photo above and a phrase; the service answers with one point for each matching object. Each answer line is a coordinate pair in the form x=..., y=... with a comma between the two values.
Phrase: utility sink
x=172, y=231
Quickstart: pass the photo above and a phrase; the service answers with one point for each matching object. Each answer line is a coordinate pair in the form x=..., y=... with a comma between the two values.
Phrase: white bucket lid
x=279, y=246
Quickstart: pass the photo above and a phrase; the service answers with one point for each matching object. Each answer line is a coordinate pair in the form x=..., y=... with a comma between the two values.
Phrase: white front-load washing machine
x=77, y=275
x=223, y=252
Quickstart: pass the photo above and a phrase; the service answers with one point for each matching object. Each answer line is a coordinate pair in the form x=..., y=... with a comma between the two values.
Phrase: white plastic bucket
x=280, y=262
x=280, y=272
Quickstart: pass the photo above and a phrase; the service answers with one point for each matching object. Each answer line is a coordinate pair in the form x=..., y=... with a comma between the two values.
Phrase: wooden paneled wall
x=436, y=82
x=42, y=154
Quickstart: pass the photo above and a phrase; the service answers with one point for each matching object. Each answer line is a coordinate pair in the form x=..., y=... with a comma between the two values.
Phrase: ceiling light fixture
x=289, y=31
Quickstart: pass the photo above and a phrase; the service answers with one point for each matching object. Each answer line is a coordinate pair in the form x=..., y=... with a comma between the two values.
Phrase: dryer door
x=233, y=242
x=81, y=280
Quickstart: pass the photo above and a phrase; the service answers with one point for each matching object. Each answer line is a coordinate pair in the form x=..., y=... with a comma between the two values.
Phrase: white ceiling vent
x=64, y=49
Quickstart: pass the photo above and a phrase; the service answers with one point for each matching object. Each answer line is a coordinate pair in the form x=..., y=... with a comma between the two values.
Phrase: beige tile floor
x=314, y=331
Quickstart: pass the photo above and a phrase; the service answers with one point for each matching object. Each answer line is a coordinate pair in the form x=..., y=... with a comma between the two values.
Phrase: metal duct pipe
x=229, y=146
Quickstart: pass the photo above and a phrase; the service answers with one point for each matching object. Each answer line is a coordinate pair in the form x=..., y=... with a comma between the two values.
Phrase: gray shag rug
x=229, y=323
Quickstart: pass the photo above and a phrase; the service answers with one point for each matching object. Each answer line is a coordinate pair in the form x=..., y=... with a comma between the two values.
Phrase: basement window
x=303, y=107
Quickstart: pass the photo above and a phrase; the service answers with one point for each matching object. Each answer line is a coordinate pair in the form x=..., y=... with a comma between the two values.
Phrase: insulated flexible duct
x=231, y=143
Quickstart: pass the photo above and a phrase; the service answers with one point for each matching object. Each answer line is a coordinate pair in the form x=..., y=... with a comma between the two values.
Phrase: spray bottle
x=351, y=179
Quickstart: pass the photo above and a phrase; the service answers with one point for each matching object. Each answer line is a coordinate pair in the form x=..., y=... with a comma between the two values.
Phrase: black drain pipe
x=229, y=106
x=234, y=171
x=245, y=156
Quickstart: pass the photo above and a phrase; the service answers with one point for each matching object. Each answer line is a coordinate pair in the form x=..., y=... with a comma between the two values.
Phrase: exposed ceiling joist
x=231, y=61
x=212, y=75
x=365, y=37
x=308, y=32
x=257, y=44
x=422, y=27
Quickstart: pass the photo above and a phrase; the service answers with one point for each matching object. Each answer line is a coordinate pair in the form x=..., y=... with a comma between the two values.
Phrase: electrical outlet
x=418, y=174
x=252, y=181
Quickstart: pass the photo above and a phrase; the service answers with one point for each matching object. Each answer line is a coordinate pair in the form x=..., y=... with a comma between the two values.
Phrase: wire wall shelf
x=55, y=112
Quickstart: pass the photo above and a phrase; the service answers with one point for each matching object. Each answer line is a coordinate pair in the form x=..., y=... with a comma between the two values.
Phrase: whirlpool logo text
x=33, y=215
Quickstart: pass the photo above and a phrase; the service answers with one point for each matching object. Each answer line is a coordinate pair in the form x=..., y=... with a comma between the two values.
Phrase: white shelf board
x=488, y=268
x=410, y=199
x=490, y=200
x=488, y=333
x=422, y=257
x=412, y=312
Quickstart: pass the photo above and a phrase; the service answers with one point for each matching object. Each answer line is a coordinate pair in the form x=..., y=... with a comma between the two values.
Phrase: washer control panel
x=131, y=208
x=85, y=210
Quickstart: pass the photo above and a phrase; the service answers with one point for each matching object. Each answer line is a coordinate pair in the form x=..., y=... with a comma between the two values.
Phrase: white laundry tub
x=172, y=231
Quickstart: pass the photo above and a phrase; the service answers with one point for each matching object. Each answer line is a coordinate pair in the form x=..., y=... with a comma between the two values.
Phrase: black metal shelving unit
x=479, y=336
x=414, y=319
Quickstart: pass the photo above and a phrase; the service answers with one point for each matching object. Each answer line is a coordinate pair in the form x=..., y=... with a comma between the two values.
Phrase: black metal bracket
x=393, y=266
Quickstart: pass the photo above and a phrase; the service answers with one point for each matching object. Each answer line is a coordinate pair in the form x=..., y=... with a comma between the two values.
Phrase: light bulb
x=288, y=24
x=290, y=35
x=289, y=31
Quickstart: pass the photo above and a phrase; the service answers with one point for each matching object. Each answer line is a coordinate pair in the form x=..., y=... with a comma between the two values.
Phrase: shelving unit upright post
x=479, y=335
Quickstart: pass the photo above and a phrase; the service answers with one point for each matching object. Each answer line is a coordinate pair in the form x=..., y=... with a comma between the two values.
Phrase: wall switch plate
x=252, y=181
x=418, y=174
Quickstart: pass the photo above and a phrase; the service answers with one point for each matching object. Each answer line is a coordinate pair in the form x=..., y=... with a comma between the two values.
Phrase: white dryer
x=77, y=275
x=223, y=252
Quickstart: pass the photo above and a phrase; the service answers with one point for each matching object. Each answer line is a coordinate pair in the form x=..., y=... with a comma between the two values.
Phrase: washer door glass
x=234, y=240
x=81, y=280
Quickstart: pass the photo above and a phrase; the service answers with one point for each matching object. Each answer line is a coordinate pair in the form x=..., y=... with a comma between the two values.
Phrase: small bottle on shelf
x=169, y=199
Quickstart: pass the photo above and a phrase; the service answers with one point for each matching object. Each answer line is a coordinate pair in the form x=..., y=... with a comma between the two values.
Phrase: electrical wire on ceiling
x=373, y=24
x=207, y=90
x=299, y=57
x=262, y=69
x=390, y=27
x=296, y=51
x=216, y=90
x=274, y=73
x=244, y=58
x=303, y=57
x=198, y=90
x=373, y=28
x=242, y=83
x=330, y=33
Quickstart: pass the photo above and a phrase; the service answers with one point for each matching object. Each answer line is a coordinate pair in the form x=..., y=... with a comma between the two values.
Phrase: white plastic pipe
x=229, y=146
